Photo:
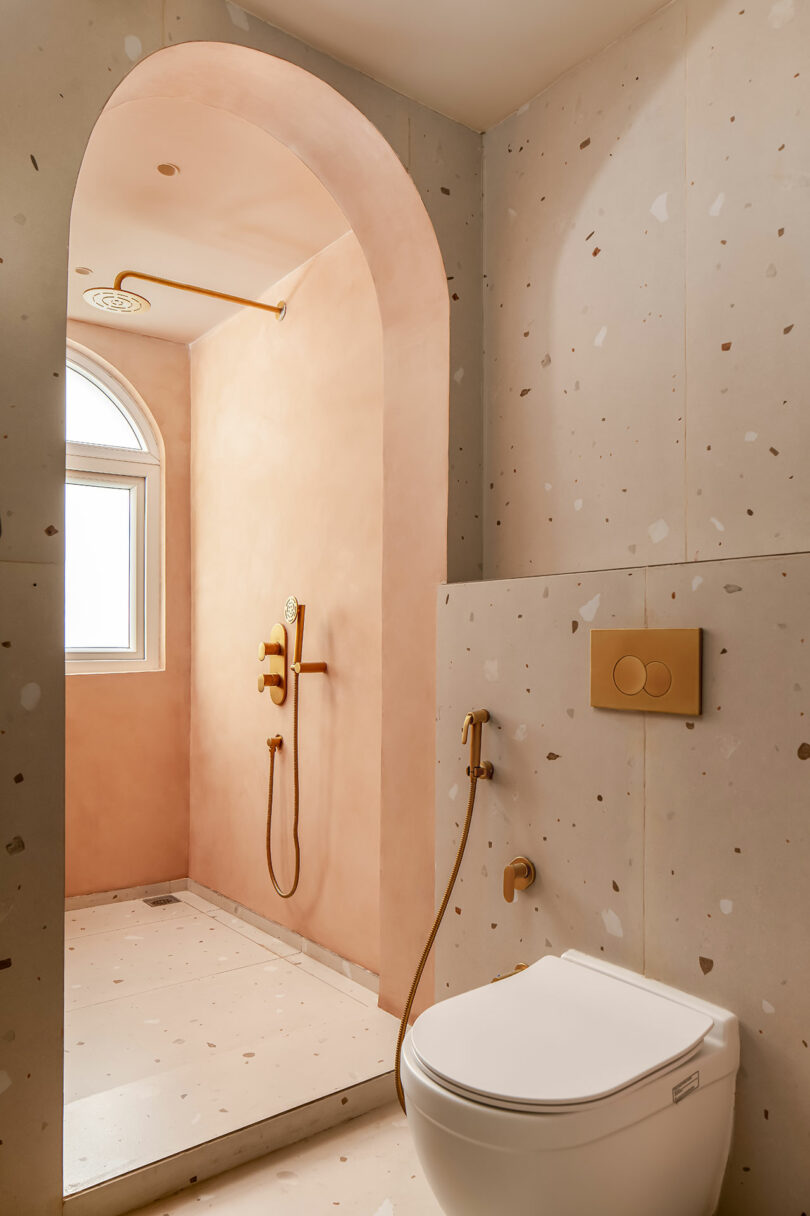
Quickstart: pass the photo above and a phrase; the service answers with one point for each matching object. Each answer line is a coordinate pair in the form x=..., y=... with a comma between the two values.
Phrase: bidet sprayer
x=475, y=719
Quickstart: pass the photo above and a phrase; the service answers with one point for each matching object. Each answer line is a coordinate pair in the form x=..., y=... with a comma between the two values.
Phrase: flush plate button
x=629, y=675
x=657, y=670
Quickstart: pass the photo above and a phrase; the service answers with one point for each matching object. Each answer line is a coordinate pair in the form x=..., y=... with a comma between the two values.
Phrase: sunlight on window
x=93, y=417
x=97, y=566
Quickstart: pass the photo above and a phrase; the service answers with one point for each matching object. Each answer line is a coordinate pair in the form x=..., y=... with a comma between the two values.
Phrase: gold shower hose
x=296, y=846
x=403, y=1026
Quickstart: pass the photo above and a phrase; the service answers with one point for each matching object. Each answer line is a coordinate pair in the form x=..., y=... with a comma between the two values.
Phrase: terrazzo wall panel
x=584, y=301
x=568, y=788
x=31, y=905
x=728, y=851
x=678, y=847
x=748, y=304
x=646, y=246
x=59, y=65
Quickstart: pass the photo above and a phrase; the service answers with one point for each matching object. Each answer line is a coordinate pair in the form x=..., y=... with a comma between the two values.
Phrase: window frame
x=140, y=471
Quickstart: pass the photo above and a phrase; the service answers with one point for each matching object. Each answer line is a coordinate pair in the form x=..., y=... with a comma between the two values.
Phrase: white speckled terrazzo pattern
x=674, y=846
x=367, y=1167
x=520, y=649
x=646, y=247
x=184, y=1024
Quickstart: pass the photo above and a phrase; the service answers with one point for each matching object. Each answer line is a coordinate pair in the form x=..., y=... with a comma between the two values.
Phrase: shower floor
x=184, y=1023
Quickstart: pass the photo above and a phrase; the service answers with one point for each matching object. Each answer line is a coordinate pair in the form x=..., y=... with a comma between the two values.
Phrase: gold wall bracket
x=276, y=651
x=654, y=670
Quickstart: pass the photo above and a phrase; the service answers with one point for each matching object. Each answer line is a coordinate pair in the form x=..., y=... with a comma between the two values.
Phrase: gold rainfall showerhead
x=113, y=299
x=116, y=299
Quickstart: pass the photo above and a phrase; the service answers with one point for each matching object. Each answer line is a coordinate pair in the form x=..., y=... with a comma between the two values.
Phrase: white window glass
x=98, y=566
x=93, y=417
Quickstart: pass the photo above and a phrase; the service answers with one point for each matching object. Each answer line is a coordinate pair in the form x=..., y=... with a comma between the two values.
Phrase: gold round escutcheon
x=629, y=675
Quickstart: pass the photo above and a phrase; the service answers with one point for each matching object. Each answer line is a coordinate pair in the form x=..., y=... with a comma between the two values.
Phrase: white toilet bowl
x=574, y=1088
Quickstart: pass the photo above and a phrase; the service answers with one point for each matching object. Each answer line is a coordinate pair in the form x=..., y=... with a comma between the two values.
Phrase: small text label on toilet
x=686, y=1087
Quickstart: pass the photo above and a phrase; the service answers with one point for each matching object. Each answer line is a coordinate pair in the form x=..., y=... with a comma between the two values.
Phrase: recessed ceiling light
x=168, y=169
x=83, y=270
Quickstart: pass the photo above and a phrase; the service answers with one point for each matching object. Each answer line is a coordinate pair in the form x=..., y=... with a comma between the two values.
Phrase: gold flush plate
x=652, y=670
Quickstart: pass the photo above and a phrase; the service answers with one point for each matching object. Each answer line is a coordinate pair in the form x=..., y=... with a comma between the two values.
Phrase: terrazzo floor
x=184, y=1023
x=363, y=1168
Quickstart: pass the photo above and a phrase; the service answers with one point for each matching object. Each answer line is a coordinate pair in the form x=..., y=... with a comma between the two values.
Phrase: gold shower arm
x=279, y=309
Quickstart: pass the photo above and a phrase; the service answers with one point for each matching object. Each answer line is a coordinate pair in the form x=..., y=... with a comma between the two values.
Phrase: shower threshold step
x=171, y=1174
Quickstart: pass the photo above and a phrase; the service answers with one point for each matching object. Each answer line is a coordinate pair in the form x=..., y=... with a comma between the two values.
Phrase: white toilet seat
x=498, y=1102
x=558, y=1037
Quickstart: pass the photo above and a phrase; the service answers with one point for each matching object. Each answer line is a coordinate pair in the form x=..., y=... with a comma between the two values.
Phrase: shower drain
x=157, y=901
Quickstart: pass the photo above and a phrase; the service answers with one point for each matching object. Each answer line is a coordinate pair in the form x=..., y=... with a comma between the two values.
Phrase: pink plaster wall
x=127, y=785
x=287, y=461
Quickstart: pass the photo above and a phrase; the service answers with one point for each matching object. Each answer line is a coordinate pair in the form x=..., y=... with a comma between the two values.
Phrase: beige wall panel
x=584, y=306
x=568, y=786
x=31, y=889
x=747, y=279
x=728, y=851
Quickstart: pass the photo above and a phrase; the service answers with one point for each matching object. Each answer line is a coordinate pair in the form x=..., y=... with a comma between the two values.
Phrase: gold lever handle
x=266, y=681
x=268, y=648
x=518, y=875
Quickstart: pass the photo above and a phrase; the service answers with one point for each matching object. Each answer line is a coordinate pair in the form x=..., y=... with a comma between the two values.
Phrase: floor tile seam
x=165, y=987
x=179, y=983
x=145, y=924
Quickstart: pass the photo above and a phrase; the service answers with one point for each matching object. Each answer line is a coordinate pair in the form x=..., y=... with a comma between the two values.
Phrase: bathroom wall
x=287, y=500
x=645, y=253
x=127, y=736
x=675, y=846
x=646, y=456
x=59, y=65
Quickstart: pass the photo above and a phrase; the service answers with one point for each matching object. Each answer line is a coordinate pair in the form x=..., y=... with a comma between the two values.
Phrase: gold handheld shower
x=118, y=299
x=293, y=614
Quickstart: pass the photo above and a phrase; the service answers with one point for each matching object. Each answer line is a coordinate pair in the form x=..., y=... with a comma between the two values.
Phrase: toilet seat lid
x=557, y=1034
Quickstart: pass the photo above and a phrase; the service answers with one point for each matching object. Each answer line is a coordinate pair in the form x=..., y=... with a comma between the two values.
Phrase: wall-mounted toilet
x=570, y=1089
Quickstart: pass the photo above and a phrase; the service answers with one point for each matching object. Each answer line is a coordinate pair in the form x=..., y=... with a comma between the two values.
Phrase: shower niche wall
x=221, y=1006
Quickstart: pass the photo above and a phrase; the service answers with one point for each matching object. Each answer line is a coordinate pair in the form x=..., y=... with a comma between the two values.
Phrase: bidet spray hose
x=403, y=1025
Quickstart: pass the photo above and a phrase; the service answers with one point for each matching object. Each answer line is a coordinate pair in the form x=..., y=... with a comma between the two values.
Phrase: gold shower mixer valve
x=276, y=651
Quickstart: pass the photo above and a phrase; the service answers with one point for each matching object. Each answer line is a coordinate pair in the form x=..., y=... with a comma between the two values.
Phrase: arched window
x=112, y=525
